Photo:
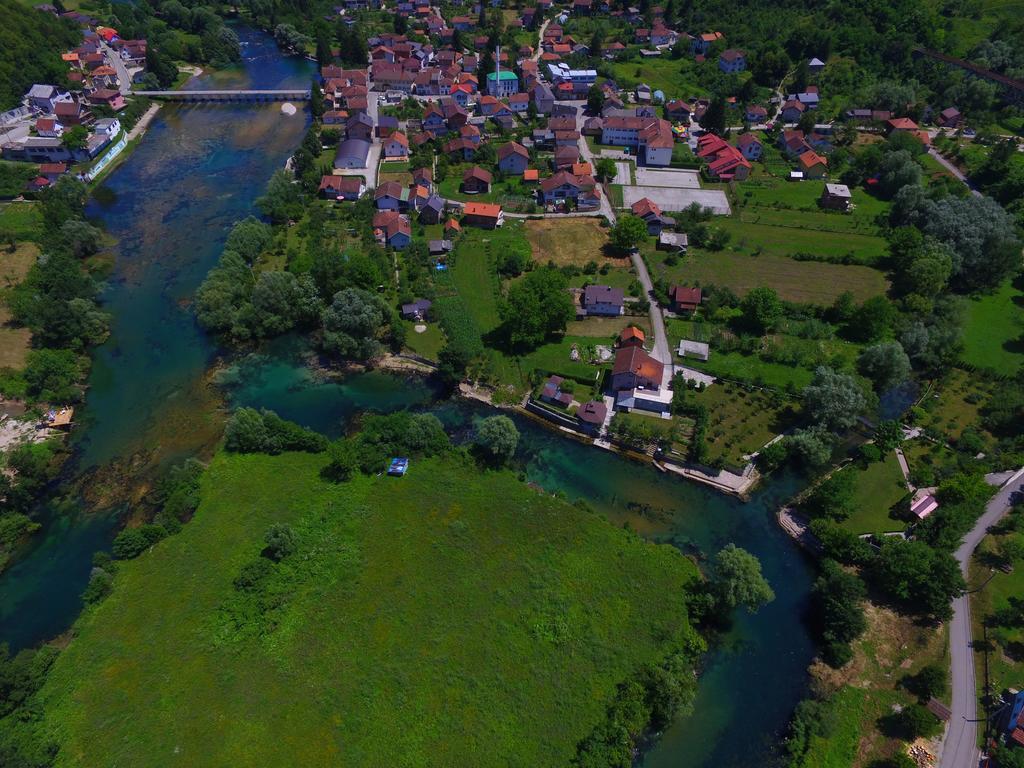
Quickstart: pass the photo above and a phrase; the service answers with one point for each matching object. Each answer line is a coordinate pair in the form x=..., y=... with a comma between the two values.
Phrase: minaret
x=498, y=72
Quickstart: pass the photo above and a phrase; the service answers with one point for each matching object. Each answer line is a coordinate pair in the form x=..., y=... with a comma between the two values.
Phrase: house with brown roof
x=341, y=187
x=513, y=158
x=392, y=228
x=396, y=146
x=631, y=336
x=459, y=150
x=750, y=146
x=476, y=181
x=678, y=111
x=634, y=368
x=563, y=186
x=648, y=210
x=591, y=416
x=732, y=61
x=685, y=300
x=483, y=215
x=813, y=165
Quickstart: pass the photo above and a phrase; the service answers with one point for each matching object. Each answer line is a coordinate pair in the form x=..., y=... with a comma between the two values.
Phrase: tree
x=985, y=246
x=811, y=446
x=245, y=432
x=628, y=232
x=897, y=170
x=885, y=364
x=280, y=541
x=512, y=258
x=343, y=461
x=75, y=138
x=50, y=375
x=761, y=309
x=283, y=199
x=605, y=169
x=872, y=321
x=537, y=306
x=281, y=301
x=80, y=238
x=352, y=324
x=917, y=722
x=496, y=439
x=917, y=577
x=833, y=400
x=248, y=238
x=736, y=580
x=316, y=98
x=833, y=498
x=595, y=100
x=837, y=611
x=929, y=683
x=713, y=120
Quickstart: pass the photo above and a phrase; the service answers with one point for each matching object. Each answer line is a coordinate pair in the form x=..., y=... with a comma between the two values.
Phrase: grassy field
x=568, y=242
x=785, y=204
x=868, y=688
x=14, y=342
x=1006, y=662
x=663, y=73
x=21, y=219
x=783, y=233
x=740, y=421
x=606, y=327
x=799, y=281
x=954, y=403
x=472, y=272
x=427, y=344
x=451, y=617
x=879, y=488
x=994, y=331
x=752, y=369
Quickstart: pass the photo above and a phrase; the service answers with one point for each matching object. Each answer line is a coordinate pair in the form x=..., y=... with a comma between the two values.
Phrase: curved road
x=960, y=748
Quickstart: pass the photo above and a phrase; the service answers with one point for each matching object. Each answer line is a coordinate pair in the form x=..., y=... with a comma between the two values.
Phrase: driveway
x=623, y=173
x=960, y=748
x=656, y=177
x=676, y=199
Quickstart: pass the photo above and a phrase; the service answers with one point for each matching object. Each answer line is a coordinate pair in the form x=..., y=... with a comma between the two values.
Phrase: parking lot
x=676, y=199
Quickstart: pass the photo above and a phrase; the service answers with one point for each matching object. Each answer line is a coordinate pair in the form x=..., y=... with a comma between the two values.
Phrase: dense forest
x=30, y=47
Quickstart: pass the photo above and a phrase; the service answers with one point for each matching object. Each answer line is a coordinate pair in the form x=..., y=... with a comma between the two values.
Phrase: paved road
x=953, y=170
x=113, y=59
x=661, y=350
x=960, y=749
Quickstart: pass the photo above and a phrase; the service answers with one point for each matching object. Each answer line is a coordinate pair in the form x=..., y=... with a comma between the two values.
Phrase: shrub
x=132, y=542
x=281, y=542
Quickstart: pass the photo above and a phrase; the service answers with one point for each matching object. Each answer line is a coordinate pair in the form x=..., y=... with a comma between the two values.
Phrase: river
x=151, y=402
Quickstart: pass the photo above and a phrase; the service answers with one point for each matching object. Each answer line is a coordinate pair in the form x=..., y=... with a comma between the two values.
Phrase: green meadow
x=450, y=617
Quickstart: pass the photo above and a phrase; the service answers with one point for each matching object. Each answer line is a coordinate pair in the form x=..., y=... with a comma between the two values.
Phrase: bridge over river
x=294, y=94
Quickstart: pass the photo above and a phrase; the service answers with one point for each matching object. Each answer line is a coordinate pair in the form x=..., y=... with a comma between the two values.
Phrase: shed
x=352, y=153
x=695, y=349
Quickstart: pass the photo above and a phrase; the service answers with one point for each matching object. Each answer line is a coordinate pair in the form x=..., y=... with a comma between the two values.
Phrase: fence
x=108, y=158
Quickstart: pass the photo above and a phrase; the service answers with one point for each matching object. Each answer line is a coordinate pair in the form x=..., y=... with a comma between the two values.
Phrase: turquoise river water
x=151, y=401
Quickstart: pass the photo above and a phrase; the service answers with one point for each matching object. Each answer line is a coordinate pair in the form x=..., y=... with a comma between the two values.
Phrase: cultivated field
x=568, y=242
x=800, y=281
x=14, y=342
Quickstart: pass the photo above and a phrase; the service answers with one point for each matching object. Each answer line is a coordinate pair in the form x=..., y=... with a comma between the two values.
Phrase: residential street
x=124, y=80
x=661, y=350
x=960, y=749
